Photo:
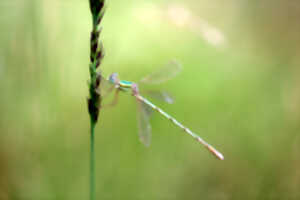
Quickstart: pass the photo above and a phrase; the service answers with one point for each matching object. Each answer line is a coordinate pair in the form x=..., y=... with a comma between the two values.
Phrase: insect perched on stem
x=145, y=107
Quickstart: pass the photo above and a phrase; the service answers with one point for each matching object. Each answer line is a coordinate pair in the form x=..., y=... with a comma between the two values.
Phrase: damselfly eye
x=113, y=78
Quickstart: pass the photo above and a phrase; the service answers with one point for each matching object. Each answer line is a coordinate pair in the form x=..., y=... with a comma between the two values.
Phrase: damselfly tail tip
x=211, y=149
x=215, y=152
x=219, y=155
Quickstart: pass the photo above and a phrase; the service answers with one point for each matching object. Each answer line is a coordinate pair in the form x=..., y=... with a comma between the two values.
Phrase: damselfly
x=145, y=107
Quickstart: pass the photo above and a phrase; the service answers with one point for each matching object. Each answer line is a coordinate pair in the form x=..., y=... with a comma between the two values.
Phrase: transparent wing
x=106, y=87
x=144, y=127
x=160, y=95
x=164, y=74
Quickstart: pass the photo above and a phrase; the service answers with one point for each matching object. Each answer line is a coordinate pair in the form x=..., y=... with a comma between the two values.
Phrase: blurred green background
x=239, y=90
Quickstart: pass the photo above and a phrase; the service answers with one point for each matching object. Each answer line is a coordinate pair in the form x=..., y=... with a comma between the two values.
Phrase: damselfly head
x=113, y=78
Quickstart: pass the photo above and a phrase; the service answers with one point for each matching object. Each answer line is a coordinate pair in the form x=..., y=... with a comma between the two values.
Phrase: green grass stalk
x=94, y=100
x=92, y=162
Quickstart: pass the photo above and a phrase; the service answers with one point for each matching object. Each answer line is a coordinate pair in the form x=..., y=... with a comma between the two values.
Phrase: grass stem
x=92, y=162
x=94, y=100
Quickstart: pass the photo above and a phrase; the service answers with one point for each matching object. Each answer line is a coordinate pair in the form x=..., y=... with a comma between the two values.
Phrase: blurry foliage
x=242, y=97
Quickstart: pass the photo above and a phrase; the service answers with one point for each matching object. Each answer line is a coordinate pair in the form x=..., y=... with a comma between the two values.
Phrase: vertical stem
x=94, y=100
x=92, y=162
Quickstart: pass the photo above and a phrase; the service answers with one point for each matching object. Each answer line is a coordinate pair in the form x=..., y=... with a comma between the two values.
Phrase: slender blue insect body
x=124, y=85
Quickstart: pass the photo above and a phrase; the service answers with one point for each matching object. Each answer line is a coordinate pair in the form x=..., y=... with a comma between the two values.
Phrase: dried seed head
x=93, y=109
x=98, y=80
x=95, y=35
x=96, y=6
x=96, y=55
x=98, y=62
x=100, y=55
x=94, y=47
x=100, y=17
